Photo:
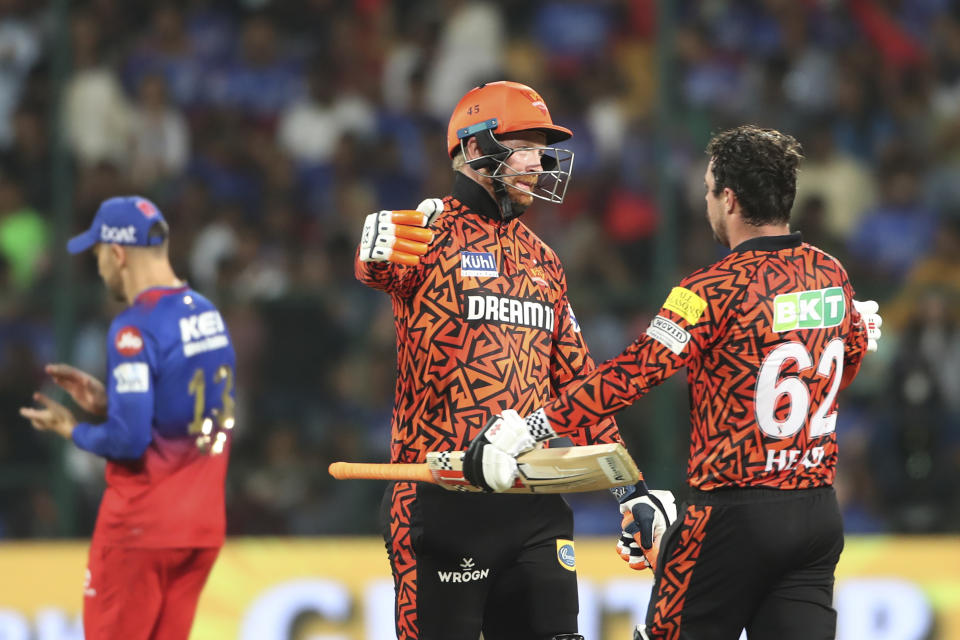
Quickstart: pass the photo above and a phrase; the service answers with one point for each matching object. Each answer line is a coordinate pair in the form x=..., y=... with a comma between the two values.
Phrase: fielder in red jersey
x=168, y=411
x=769, y=335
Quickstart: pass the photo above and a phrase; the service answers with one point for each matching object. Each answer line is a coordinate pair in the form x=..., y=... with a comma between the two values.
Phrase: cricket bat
x=562, y=470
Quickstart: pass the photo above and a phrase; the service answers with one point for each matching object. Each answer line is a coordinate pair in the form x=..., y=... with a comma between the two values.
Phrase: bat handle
x=373, y=471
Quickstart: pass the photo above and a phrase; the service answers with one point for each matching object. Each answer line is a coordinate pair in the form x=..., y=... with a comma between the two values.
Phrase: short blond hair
x=458, y=161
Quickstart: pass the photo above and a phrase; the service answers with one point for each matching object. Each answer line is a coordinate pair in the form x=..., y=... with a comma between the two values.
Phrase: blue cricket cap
x=123, y=220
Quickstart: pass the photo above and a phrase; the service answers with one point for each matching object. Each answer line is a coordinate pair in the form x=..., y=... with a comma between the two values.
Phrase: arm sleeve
x=687, y=323
x=570, y=359
x=130, y=387
x=855, y=344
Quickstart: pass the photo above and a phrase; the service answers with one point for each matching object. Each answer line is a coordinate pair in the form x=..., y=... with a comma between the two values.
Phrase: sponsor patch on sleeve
x=669, y=334
x=686, y=304
x=128, y=341
x=566, y=555
x=132, y=377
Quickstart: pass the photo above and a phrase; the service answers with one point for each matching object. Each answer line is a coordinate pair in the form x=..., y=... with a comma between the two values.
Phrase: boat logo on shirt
x=478, y=264
x=128, y=341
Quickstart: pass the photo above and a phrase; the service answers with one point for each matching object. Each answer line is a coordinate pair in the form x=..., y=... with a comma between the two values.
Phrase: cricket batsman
x=483, y=324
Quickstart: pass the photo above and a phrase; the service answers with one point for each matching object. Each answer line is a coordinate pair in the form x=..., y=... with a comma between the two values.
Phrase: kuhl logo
x=129, y=342
x=118, y=235
x=478, y=265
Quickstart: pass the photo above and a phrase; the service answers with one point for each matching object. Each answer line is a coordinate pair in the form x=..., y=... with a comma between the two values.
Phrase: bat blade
x=562, y=470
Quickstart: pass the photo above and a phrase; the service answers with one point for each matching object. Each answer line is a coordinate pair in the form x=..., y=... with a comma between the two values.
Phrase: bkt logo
x=118, y=235
x=814, y=309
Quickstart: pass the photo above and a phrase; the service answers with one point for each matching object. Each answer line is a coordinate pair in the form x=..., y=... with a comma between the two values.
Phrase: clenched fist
x=399, y=236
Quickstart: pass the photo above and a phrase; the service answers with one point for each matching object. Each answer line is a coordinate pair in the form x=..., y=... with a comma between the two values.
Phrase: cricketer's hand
x=646, y=516
x=490, y=461
x=399, y=236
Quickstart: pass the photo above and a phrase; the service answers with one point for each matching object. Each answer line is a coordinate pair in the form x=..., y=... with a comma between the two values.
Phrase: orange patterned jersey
x=768, y=335
x=483, y=324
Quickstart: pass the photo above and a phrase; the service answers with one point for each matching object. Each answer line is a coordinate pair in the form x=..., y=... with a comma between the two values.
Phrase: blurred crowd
x=267, y=130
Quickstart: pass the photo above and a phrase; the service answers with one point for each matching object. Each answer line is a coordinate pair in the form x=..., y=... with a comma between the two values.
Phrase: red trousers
x=143, y=594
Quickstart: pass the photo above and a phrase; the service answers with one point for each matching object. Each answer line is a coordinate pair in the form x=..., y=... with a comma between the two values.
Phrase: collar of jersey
x=475, y=198
x=153, y=294
x=771, y=243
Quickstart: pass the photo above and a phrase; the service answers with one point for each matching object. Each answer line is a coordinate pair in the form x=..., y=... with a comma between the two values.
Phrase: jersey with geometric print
x=768, y=335
x=483, y=324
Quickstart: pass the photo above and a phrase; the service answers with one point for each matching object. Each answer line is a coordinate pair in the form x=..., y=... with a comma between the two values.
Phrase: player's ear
x=729, y=200
x=472, y=148
x=118, y=253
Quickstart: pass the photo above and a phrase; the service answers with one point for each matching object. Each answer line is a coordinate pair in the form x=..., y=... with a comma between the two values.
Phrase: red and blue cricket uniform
x=161, y=523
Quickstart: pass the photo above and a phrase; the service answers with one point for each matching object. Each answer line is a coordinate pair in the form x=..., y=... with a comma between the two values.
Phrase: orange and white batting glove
x=869, y=311
x=399, y=236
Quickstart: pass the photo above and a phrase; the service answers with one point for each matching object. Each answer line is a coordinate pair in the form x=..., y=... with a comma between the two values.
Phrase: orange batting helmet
x=502, y=107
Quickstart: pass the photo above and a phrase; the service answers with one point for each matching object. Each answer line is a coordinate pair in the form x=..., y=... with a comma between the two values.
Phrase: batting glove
x=646, y=516
x=631, y=553
x=868, y=311
x=490, y=461
x=640, y=632
x=399, y=236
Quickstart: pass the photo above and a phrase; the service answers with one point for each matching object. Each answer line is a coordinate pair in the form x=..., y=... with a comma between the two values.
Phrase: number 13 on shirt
x=211, y=426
